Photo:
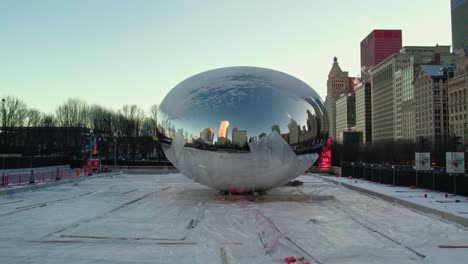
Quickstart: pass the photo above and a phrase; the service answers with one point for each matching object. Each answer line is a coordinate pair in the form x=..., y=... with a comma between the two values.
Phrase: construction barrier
x=52, y=175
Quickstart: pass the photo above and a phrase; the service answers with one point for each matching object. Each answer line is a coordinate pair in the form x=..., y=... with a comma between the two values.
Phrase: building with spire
x=338, y=83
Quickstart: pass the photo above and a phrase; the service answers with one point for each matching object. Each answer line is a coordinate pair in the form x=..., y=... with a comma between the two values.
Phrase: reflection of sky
x=251, y=99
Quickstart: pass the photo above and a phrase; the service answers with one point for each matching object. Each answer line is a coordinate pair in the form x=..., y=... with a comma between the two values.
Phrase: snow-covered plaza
x=167, y=218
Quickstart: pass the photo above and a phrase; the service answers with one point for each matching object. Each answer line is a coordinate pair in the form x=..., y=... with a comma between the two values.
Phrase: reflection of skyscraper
x=239, y=137
x=293, y=132
x=207, y=135
x=223, y=129
x=223, y=141
x=312, y=124
x=234, y=130
x=322, y=128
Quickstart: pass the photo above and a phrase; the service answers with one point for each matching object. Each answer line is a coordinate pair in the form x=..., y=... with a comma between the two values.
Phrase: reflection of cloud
x=229, y=87
x=219, y=91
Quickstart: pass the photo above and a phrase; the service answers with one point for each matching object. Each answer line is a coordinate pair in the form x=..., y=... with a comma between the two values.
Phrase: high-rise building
x=405, y=98
x=338, y=83
x=457, y=92
x=431, y=101
x=362, y=94
x=426, y=54
x=376, y=47
x=383, y=96
x=389, y=87
x=459, y=24
x=345, y=115
x=407, y=102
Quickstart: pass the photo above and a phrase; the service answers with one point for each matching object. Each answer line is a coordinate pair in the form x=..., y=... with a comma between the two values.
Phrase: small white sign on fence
x=423, y=161
x=455, y=162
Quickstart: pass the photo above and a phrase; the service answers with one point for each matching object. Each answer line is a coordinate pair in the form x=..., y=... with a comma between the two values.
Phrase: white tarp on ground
x=170, y=219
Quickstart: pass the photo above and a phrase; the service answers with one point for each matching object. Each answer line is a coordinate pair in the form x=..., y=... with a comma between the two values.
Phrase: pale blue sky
x=115, y=52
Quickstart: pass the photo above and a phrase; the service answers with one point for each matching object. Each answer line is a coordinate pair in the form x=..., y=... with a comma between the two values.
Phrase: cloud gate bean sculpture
x=242, y=129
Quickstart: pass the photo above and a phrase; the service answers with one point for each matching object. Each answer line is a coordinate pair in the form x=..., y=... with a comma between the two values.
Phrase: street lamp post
x=115, y=151
x=4, y=121
x=91, y=135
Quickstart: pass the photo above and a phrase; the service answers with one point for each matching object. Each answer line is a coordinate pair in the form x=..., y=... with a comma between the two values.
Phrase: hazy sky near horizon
x=116, y=52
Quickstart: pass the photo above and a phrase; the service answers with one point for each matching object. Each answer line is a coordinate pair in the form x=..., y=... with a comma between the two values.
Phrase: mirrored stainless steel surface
x=242, y=128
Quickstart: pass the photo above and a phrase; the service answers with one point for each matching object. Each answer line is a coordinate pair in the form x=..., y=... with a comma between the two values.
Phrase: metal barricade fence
x=436, y=179
x=40, y=177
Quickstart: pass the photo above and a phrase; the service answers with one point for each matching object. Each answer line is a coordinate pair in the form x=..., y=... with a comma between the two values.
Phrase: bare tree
x=131, y=120
x=73, y=113
x=14, y=112
x=47, y=120
x=152, y=121
x=33, y=118
x=100, y=119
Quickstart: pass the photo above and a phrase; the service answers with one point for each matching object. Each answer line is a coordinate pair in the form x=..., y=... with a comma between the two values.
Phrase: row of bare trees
x=128, y=121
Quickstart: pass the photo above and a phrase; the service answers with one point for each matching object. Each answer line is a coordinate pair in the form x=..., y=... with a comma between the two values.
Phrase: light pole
x=92, y=141
x=4, y=121
x=115, y=151
x=91, y=145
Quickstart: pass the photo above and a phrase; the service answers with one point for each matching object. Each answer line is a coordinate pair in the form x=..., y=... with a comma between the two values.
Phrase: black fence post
x=31, y=178
x=380, y=173
x=433, y=179
x=416, y=178
x=454, y=184
x=4, y=180
x=364, y=166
